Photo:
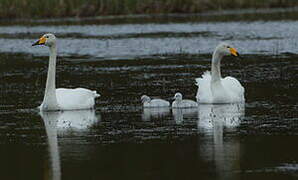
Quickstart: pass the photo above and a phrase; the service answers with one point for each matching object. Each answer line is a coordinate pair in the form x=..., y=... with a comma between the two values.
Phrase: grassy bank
x=84, y=8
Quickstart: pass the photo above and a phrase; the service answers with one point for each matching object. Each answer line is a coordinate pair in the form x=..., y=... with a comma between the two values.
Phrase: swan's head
x=145, y=98
x=47, y=40
x=225, y=49
x=178, y=96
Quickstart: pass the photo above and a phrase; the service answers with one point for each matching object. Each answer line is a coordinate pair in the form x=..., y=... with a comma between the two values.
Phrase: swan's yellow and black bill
x=234, y=52
x=41, y=41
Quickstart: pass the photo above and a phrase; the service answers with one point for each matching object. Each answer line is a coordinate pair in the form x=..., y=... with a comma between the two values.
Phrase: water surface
x=119, y=139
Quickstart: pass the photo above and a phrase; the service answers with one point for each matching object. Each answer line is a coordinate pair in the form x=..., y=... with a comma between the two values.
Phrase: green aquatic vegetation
x=84, y=8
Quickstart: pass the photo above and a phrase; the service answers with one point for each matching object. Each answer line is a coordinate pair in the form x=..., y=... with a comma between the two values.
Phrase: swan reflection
x=214, y=121
x=57, y=122
x=217, y=116
x=182, y=114
x=151, y=113
x=77, y=120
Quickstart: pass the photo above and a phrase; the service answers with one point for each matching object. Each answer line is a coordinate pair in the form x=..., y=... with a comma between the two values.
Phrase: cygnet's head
x=178, y=96
x=47, y=40
x=225, y=49
x=145, y=98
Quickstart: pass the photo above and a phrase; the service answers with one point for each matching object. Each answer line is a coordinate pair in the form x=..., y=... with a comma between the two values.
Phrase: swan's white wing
x=234, y=88
x=160, y=102
x=231, y=85
x=79, y=98
x=185, y=103
x=157, y=103
x=204, y=94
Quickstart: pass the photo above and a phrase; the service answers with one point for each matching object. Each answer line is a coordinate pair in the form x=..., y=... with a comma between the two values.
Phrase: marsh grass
x=84, y=8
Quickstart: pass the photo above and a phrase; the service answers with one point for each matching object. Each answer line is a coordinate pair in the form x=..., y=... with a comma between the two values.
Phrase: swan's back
x=230, y=91
x=157, y=103
x=74, y=99
x=185, y=103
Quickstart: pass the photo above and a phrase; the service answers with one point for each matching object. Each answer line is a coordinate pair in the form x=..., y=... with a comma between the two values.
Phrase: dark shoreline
x=19, y=9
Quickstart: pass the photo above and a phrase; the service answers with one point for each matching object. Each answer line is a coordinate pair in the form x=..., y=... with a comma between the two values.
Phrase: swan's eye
x=228, y=47
x=47, y=37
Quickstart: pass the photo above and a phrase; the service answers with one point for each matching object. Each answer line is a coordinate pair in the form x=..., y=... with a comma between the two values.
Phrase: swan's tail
x=203, y=84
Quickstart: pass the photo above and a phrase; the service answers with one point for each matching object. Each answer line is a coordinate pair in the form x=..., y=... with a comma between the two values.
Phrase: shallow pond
x=122, y=61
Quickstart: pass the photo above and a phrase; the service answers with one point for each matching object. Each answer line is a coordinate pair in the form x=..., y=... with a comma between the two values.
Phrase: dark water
x=120, y=140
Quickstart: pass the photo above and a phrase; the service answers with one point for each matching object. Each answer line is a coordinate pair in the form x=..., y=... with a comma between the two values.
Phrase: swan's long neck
x=215, y=67
x=50, y=99
x=178, y=101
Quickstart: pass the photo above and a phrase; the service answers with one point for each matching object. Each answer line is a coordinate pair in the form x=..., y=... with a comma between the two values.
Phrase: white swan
x=215, y=89
x=62, y=99
x=183, y=103
x=147, y=102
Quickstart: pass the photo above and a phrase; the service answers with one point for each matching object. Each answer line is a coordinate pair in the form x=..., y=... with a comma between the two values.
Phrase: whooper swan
x=215, y=89
x=62, y=98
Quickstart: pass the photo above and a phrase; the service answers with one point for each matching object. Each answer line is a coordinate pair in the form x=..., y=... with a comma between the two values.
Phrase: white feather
x=230, y=92
x=157, y=103
x=62, y=98
x=212, y=88
x=79, y=98
x=148, y=103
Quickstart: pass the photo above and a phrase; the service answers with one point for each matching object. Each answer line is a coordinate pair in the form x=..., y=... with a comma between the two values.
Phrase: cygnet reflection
x=155, y=113
x=182, y=114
